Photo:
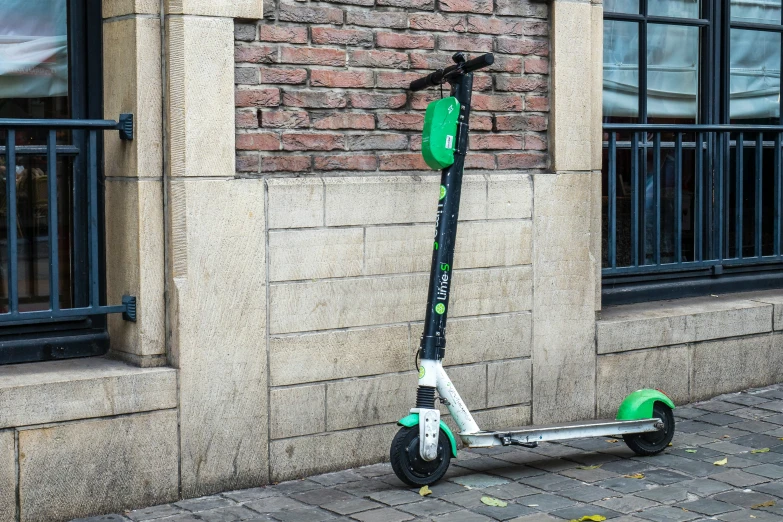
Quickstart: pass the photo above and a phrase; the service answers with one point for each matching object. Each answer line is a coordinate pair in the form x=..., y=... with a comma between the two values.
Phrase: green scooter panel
x=412, y=420
x=639, y=404
x=439, y=137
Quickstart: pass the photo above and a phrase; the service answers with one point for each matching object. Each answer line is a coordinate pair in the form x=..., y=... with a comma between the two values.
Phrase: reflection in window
x=755, y=76
x=622, y=6
x=674, y=8
x=621, y=70
x=756, y=11
x=672, y=72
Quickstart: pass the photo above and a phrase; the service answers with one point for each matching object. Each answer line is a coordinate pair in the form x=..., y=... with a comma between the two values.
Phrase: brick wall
x=322, y=86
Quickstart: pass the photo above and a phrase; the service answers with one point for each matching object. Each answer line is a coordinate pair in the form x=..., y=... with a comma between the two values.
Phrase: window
x=692, y=155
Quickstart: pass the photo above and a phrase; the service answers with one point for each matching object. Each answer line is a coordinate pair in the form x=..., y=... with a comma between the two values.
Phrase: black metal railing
x=92, y=129
x=681, y=198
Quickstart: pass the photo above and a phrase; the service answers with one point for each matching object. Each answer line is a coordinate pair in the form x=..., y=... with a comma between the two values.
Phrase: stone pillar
x=566, y=222
x=216, y=263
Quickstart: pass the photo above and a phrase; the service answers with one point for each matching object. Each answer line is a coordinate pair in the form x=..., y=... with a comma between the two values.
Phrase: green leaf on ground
x=762, y=450
x=590, y=518
x=424, y=491
x=721, y=462
x=690, y=451
x=494, y=502
x=768, y=503
x=589, y=467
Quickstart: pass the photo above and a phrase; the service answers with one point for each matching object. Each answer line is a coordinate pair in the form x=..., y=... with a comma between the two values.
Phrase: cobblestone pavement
x=553, y=482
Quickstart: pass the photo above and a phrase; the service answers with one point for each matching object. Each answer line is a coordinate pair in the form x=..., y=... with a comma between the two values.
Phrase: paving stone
x=204, y=503
x=753, y=413
x=607, y=456
x=365, y=487
x=623, y=485
x=374, y=470
x=321, y=496
x=688, y=412
x=103, y=518
x=506, y=513
x=691, y=439
x=275, y=504
x=466, y=499
x=747, y=515
x=703, y=487
x=577, y=512
x=428, y=507
x=479, y=480
x=744, y=498
x=744, y=399
x=664, y=476
x=776, y=405
x=395, y=497
x=510, y=491
x=296, y=486
x=537, y=517
x=770, y=471
x=627, y=504
x=693, y=426
x=706, y=506
x=773, y=488
x=755, y=426
x=154, y=512
x=546, y=502
x=667, y=514
x=481, y=464
x=665, y=494
x=739, y=479
x=693, y=467
x=775, y=419
x=728, y=448
x=757, y=441
x=461, y=516
x=444, y=487
x=627, y=467
x=227, y=514
x=382, y=515
x=716, y=406
x=340, y=477
x=246, y=495
x=589, y=475
x=352, y=505
x=554, y=465
x=587, y=493
x=771, y=393
x=550, y=482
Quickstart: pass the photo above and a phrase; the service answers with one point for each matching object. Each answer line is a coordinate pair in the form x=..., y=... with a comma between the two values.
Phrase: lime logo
x=421, y=372
x=436, y=245
x=444, y=267
x=440, y=308
x=442, y=192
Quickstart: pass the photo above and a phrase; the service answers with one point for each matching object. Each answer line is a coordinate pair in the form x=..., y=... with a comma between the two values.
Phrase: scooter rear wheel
x=408, y=464
x=652, y=443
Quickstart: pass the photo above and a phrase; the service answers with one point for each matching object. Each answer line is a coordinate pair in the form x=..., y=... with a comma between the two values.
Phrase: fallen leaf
x=690, y=451
x=589, y=467
x=494, y=502
x=726, y=437
x=670, y=444
x=722, y=462
x=762, y=450
x=424, y=491
x=638, y=476
x=591, y=518
x=612, y=441
x=768, y=503
x=532, y=505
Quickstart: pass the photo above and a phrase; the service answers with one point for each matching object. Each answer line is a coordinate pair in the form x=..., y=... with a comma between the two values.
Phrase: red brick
x=465, y=43
x=258, y=141
x=480, y=122
x=497, y=141
x=484, y=25
x=371, y=100
x=466, y=6
x=521, y=83
x=377, y=19
x=342, y=79
x=410, y=161
x=312, y=141
x=521, y=8
x=535, y=142
x=534, y=28
x=401, y=121
x=420, y=100
x=312, y=55
x=498, y=103
x=247, y=163
x=329, y=36
x=508, y=64
x=537, y=66
x=537, y=103
x=523, y=46
x=427, y=5
x=482, y=82
x=345, y=120
x=284, y=119
x=309, y=15
x=437, y=22
x=246, y=119
x=314, y=99
x=404, y=41
x=522, y=160
x=395, y=80
x=281, y=75
x=377, y=141
x=365, y=3
x=390, y=59
x=430, y=61
x=282, y=33
x=285, y=163
x=416, y=142
x=530, y=122
x=255, y=54
x=264, y=97
x=346, y=163
x=479, y=161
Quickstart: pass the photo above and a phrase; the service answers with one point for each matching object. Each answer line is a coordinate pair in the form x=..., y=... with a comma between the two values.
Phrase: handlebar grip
x=482, y=61
x=421, y=83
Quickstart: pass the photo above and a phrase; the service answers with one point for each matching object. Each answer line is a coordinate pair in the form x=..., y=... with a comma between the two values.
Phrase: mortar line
x=267, y=264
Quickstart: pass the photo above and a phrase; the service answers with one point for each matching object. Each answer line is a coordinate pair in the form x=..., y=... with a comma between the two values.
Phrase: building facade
x=272, y=217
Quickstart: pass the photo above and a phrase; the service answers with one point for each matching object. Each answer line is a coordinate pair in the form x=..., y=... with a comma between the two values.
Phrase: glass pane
x=755, y=76
x=621, y=71
x=674, y=8
x=756, y=11
x=622, y=6
x=672, y=73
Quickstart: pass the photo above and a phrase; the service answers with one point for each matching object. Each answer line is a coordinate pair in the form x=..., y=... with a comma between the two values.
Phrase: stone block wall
x=324, y=117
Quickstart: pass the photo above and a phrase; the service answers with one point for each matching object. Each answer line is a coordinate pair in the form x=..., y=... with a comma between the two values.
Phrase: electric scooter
x=423, y=447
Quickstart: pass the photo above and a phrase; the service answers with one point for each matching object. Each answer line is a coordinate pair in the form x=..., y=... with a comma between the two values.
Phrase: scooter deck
x=554, y=432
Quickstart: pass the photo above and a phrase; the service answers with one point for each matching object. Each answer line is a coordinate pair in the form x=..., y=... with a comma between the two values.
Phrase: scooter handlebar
x=437, y=77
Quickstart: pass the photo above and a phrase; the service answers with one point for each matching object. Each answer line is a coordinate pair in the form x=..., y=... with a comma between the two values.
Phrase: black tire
x=647, y=444
x=408, y=464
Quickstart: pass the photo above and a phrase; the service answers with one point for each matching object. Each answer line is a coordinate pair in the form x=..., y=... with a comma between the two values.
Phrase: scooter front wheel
x=408, y=464
x=647, y=444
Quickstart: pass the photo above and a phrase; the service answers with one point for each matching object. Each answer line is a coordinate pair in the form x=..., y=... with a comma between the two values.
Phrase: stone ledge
x=666, y=323
x=59, y=391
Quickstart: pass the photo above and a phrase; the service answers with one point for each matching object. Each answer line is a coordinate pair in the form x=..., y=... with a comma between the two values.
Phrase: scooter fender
x=412, y=420
x=639, y=404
